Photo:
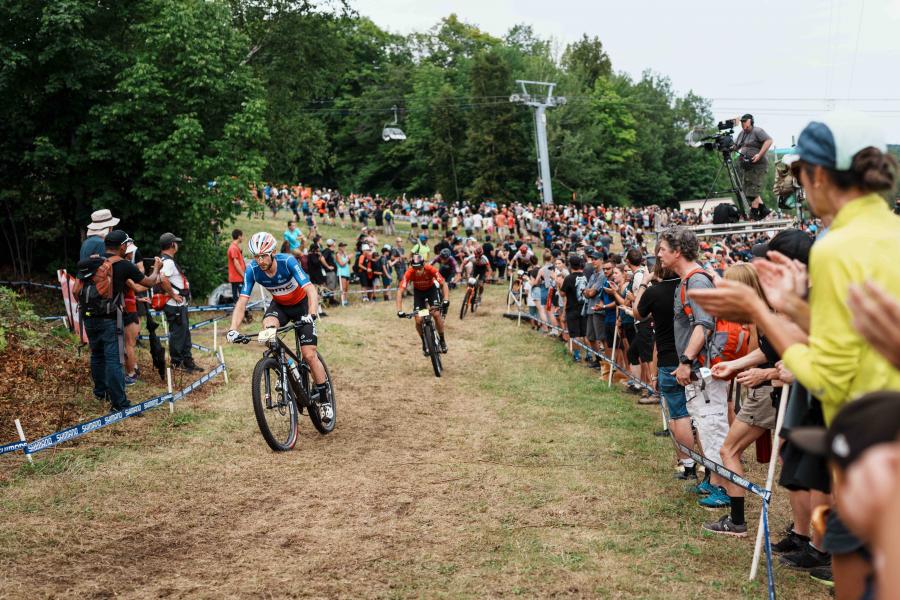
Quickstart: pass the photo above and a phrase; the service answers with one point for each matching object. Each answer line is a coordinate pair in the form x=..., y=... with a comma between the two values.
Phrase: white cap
x=329, y=242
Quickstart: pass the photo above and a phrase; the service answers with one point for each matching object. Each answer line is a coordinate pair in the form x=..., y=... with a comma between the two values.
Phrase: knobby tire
x=434, y=352
x=285, y=408
x=464, y=307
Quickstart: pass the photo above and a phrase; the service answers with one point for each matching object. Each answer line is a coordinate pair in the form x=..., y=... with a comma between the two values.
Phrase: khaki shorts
x=754, y=178
x=710, y=418
x=757, y=409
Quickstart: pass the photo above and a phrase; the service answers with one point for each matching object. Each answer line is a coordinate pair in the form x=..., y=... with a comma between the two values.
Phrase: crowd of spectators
x=114, y=293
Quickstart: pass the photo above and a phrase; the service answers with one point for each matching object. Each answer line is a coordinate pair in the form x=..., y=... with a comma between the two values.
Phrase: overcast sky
x=785, y=61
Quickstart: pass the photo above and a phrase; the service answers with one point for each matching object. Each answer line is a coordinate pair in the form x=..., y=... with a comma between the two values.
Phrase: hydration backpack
x=94, y=287
x=729, y=340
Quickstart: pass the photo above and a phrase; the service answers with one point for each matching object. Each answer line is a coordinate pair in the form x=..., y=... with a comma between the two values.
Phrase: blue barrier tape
x=201, y=348
x=767, y=544
x=32, y=284
x=79, y=430
x=15, y=446
x=712, y=465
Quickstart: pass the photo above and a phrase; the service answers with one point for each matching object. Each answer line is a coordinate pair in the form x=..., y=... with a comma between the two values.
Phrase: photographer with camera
x=752, y=144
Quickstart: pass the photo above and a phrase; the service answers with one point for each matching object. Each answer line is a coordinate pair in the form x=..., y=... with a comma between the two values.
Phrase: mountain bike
x=430, y=335
x=282, y=386
x=471, y=298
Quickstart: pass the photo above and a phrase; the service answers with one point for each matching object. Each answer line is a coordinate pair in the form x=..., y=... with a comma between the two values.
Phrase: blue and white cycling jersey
x=286, y=286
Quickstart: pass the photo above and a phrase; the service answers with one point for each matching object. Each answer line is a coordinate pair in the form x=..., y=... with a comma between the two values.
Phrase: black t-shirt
x=328, y=258
x=570, y=285
x=659, y=302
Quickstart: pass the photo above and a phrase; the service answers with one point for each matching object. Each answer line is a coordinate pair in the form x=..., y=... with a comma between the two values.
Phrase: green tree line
x=168, y=112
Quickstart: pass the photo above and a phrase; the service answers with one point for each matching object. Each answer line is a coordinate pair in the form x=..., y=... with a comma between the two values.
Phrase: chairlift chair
x=391, y=131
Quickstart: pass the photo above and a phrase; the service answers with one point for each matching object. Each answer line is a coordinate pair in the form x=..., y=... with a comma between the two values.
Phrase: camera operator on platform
x=753, y=143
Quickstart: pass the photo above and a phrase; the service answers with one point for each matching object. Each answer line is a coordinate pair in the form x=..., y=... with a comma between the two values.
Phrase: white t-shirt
x=175, y=278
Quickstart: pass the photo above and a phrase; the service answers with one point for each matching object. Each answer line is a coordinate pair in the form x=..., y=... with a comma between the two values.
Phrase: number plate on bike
x=423, y=312
x=266, y=334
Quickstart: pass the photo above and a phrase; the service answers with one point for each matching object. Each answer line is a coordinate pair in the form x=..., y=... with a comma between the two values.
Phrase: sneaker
x=443, y=347
x=791, y=542
x=725, y=526
x=576, y=356
x=322, y=313
x=130, y=379
x=661, y=433
x=716, y=499
x=647, y=400
x=687, y=474
x=704, y=488
x=822, y=575
x=630, y=389
x=187, y=368
x=805, y=559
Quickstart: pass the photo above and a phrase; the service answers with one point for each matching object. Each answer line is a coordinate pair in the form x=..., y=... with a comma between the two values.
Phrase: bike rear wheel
x=464, y=306
x=275, y=408
x=315, y=416
x=434, y=350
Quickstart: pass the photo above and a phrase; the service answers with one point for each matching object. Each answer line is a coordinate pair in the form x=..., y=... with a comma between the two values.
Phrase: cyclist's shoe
x=326, y=413
x=725, y=526
x=443, y=347
x=791, y=542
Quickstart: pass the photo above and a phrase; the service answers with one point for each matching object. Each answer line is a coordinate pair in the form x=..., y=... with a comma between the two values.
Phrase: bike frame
x=280, y=351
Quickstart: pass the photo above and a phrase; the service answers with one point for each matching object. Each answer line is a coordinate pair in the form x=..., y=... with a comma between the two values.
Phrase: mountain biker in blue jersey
x=294, y=299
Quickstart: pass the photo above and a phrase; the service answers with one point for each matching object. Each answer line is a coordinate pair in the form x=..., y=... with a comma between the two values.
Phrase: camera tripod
x=737, y=185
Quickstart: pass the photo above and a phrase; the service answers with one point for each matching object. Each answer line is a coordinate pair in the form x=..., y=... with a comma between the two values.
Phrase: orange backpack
x=729, y=341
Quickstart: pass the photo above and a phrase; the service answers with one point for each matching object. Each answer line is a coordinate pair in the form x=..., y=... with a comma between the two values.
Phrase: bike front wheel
x=433, y=347
x=274, y=406
x=464, y=307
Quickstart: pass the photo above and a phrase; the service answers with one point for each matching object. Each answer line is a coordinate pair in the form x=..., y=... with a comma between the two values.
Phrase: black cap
x=873, y=419
x=746, y=117
x=793, y=243
x=166, y=239
x=116, y=238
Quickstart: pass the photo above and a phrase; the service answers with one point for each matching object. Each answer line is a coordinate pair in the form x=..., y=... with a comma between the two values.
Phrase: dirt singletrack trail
x=222, y=515
x=514, y=474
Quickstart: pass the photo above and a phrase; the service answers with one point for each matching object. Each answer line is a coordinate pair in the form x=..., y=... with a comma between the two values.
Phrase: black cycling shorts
x=424, y=298
x=294, y=313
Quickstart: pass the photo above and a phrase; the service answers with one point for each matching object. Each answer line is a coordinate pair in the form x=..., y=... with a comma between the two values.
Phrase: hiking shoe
x=725, y=526
x=792, y=542
x=716, y=499
x=704, y=488
x=822, y=575
x=805, y=559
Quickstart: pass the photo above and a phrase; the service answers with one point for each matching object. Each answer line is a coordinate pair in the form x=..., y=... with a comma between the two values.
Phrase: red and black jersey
x=423, y=280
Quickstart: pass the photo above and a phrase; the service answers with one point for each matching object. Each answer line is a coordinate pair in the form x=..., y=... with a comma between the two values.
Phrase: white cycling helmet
x=262, y=243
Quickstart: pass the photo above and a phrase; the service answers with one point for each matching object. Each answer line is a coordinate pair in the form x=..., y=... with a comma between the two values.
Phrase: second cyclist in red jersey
x=430, y=290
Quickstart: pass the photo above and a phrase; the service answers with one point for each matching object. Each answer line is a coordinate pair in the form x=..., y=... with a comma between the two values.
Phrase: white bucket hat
x=102, y=219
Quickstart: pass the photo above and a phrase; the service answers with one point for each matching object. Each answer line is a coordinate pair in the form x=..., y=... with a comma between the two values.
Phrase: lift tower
x=540, y=103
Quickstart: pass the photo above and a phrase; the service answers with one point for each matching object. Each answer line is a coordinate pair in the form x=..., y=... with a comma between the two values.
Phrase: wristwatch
x=684, y=360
